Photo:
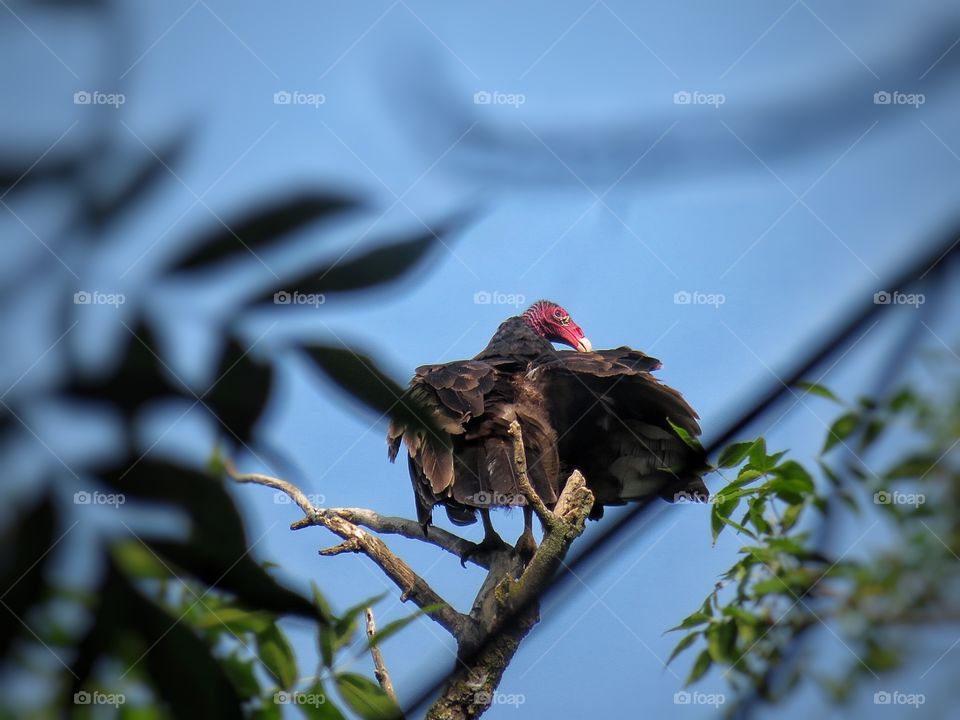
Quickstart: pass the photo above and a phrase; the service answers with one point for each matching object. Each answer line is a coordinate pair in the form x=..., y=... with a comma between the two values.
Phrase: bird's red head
x=555, y=324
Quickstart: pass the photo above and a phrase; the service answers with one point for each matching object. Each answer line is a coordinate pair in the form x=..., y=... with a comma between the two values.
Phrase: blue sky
x=785, y=185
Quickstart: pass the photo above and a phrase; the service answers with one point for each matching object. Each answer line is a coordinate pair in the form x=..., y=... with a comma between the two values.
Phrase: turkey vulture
x=598, y=411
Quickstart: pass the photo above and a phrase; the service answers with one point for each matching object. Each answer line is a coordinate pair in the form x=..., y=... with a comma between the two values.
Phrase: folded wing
x=613, y=421
x=470, y=465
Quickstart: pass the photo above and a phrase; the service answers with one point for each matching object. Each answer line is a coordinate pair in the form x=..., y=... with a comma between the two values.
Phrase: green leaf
x=756, y=507
x=692, y=620
x=268, y=710
x=242, y=675
x=741, y=615
x=791, y=546
x=791, y=515
x=820, y=390
x=770, y=586
x=758, y=454
x=700, y=666
x=733, y=455
x=326, y=637
x=328, y=645
x=365, y=697
x=684, y=643
x=791, y=477
x=720, y=516
x=841, y=429
x=137, y=561
x=902, y=400
x=748, y=474
x=873, y=431
x=913, y=466
x=722, y=641
x=315, y=704
x=237, y=620
x=830, y=474
x=320, y=601
x=684, y=435
x=277, y=656
x=734, y=489
x=716, y=524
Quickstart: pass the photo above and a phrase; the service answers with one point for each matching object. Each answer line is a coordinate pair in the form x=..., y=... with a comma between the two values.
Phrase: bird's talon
x=487, y=545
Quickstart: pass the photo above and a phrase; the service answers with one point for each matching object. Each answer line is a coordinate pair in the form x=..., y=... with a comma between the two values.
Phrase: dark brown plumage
x=601, y=412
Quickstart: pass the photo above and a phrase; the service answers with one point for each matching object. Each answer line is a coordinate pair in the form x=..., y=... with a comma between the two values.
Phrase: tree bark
x=507, y=605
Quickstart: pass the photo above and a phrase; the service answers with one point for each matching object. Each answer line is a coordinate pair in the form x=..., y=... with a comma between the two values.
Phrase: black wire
x=930, y=265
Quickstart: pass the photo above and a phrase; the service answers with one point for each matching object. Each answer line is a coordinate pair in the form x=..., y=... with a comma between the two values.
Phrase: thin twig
x=379, y=666
x=520, y=462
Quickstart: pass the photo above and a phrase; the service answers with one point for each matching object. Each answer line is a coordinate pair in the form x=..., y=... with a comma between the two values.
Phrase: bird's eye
x=564, y=320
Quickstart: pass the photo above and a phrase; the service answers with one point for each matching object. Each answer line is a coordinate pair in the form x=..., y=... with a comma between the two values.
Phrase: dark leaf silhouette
x=358, y=375
x=261, y=229
x=240, y=392
x=146, y=175
x=217, y=551
x=26, y=546
x=139, y=378
x=178, y=663
x=375, y=267
x=23, y=174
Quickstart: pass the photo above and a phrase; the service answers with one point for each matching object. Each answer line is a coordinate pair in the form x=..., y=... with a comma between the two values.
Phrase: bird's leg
x=491, y=541
x=526, y=545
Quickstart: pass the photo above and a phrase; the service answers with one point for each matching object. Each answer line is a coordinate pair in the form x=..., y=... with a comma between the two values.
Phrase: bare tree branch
x=506, y=607
x=392, y=525
x=510, y=610
x=411, y=585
